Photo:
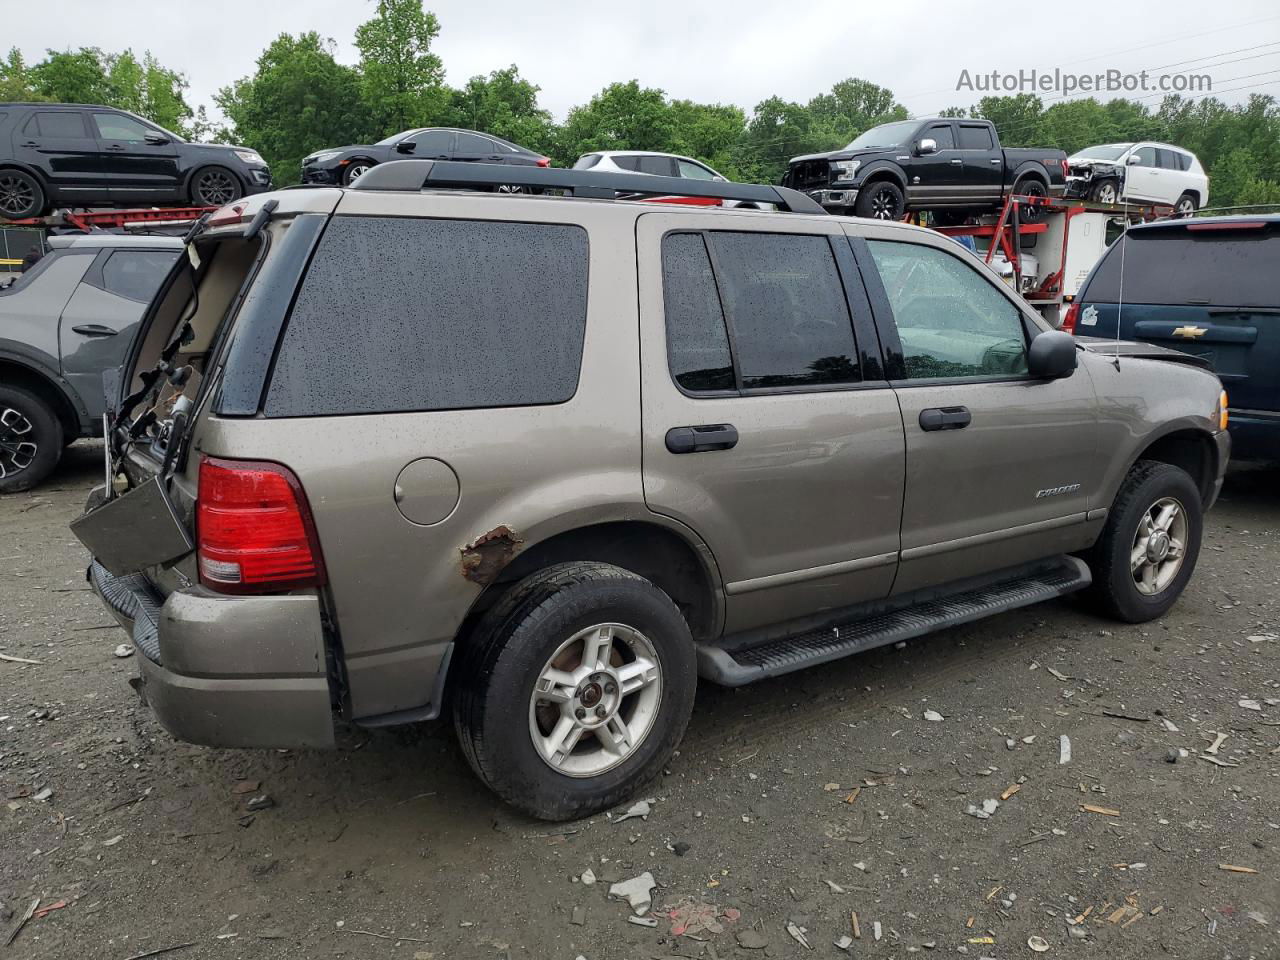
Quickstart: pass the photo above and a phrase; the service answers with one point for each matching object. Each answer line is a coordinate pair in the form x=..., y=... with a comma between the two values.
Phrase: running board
x=736, y=663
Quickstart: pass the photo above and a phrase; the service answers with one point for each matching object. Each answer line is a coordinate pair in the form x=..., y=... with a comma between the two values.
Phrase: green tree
x=16, y=82
x=505, y=105
x=855, y=105
x=1017, y=118
x=1231, y=176
x=73, y=77
x=402, y=80
x=622, y=116
x=298, y=100
x=709, y=132
x=1259, y=192
x=148, y=89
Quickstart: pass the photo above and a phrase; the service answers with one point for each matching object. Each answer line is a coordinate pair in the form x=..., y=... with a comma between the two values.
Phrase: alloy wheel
x=883, y=206
x=18, y=447
x=356, y=171
x=16, y=195
x=1186, y=207
x=216, y=188
x=1107, y=193
x=595, y=700
x=1159, y=546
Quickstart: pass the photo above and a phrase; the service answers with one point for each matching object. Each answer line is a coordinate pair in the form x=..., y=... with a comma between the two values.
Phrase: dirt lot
x=796, y=801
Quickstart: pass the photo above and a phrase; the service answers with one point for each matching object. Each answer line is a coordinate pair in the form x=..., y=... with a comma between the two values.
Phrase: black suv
x=81, y=156
x=341, y=165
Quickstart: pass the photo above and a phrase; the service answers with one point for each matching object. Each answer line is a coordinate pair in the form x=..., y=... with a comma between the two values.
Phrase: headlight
x=845, y=169
x=321, y=157
x=249, y=156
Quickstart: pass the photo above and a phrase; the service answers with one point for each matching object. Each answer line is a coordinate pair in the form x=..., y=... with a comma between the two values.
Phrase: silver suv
x=545, y=460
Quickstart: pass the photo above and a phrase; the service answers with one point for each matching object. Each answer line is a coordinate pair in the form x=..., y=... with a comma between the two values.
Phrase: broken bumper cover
x=226, y=671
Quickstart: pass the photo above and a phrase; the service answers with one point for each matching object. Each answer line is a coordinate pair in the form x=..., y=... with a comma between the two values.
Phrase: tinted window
x=410, y=314
x=975, y=137
x=1184, y=160
x=137, y=274
x=587, y=162
x=58, y=123
x=697, y=344
x=942, y=134
x=662, y=166
x=952, y=320
x=470, y=143
x=115, y=126
x=1146, y=156
x=433, y=143
x=695, y=171
x=1178, y=266
x=786, y=307
x=627, y=162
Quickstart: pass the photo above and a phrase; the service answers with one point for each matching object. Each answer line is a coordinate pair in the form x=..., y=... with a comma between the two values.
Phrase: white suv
x=660, y=164
x=1141, y=173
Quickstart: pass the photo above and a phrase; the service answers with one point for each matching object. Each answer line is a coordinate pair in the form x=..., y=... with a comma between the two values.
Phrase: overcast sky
x=731, y=52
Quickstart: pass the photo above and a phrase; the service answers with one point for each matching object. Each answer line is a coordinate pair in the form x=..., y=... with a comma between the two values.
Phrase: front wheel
x=1149, y=546
x=215, y=187
x=575, y=689
x=31, y=440
x=354, y=171
x=1105, y=191
x=880, y=201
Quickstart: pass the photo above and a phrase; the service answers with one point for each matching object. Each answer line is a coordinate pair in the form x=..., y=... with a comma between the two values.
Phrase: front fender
x=876, y=170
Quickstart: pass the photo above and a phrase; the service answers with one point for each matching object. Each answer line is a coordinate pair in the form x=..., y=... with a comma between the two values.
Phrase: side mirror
x=1132, y=160
x=406, y=146
x=927, y=146
x=1052, y=355
x=156, y=139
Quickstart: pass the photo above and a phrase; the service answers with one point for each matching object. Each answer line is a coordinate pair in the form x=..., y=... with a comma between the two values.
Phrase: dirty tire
x=1114, y=592
x=26, y=419
x=505, y=655
x=881, y=200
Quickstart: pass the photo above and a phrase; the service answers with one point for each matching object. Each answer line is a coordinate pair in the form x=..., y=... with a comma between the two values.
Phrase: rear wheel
x=1149, y=546
x=1029, y=212
x=1186, y=206
x=31, y=440
x=880, y=201
x=215, y=187
x=575, y=690
x=21, y=195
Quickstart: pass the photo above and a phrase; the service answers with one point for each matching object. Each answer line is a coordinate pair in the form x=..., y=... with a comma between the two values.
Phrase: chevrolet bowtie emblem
x=1190, y=332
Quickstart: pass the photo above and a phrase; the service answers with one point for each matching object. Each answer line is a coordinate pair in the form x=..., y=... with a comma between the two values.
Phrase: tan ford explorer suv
x=543, y=460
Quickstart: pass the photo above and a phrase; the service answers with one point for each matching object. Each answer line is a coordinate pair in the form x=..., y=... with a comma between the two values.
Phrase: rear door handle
x=29, y=143
x=995, y=159
x=957, y=160
x=699, y=439
x=115, y=148
x=94, y=330
x=945, y=418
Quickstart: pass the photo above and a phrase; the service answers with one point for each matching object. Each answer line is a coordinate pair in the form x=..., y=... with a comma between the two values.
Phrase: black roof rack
x=413, y=175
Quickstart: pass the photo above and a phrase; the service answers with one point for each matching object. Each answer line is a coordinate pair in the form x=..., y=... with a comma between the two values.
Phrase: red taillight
x=1066, y=169
x=544, y=161
x=254, y=528
x=1070, y=318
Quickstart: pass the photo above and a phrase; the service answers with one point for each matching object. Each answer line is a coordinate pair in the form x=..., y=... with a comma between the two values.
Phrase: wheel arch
x=881, y=172
x=676, y=562
x=1190, y=449
x=1030, y=170
x=46, y=386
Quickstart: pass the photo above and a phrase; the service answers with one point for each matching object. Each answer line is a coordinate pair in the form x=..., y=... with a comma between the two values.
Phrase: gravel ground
x=801, y=801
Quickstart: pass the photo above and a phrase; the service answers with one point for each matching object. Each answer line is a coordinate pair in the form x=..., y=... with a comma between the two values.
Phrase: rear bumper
x=227, y=671
x=1255, y=434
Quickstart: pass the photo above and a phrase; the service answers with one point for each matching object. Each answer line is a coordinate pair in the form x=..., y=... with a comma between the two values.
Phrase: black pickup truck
x=952, y=167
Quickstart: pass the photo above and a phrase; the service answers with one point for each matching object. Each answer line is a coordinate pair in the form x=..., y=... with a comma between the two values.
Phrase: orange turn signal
x=1222, y=410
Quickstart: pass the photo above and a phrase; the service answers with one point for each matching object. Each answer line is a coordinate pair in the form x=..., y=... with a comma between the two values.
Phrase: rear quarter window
x=411, y=314
x=1175, y=266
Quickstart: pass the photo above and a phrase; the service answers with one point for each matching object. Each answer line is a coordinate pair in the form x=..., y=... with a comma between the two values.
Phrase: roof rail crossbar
x=414, y=175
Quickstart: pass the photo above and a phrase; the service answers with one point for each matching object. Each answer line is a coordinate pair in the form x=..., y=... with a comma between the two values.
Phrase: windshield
x=1106, y=151
x=885, y=135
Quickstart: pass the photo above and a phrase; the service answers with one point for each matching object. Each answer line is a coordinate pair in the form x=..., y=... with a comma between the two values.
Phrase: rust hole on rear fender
x=485, y=556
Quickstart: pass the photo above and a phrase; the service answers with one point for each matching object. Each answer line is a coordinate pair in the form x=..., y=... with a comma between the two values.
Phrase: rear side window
x=782, y=299
x=973, y=137
x=661, y=166
x=432, y=143
x=409, y=314
x=1179, y=266
x=627, y=163
x=137, y=274
x=56, y=123
x=470, y=143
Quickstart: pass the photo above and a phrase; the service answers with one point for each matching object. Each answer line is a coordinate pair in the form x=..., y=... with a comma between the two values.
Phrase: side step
x=734, y=663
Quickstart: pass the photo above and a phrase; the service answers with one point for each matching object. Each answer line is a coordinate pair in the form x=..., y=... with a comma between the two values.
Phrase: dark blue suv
x=1209, y=287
